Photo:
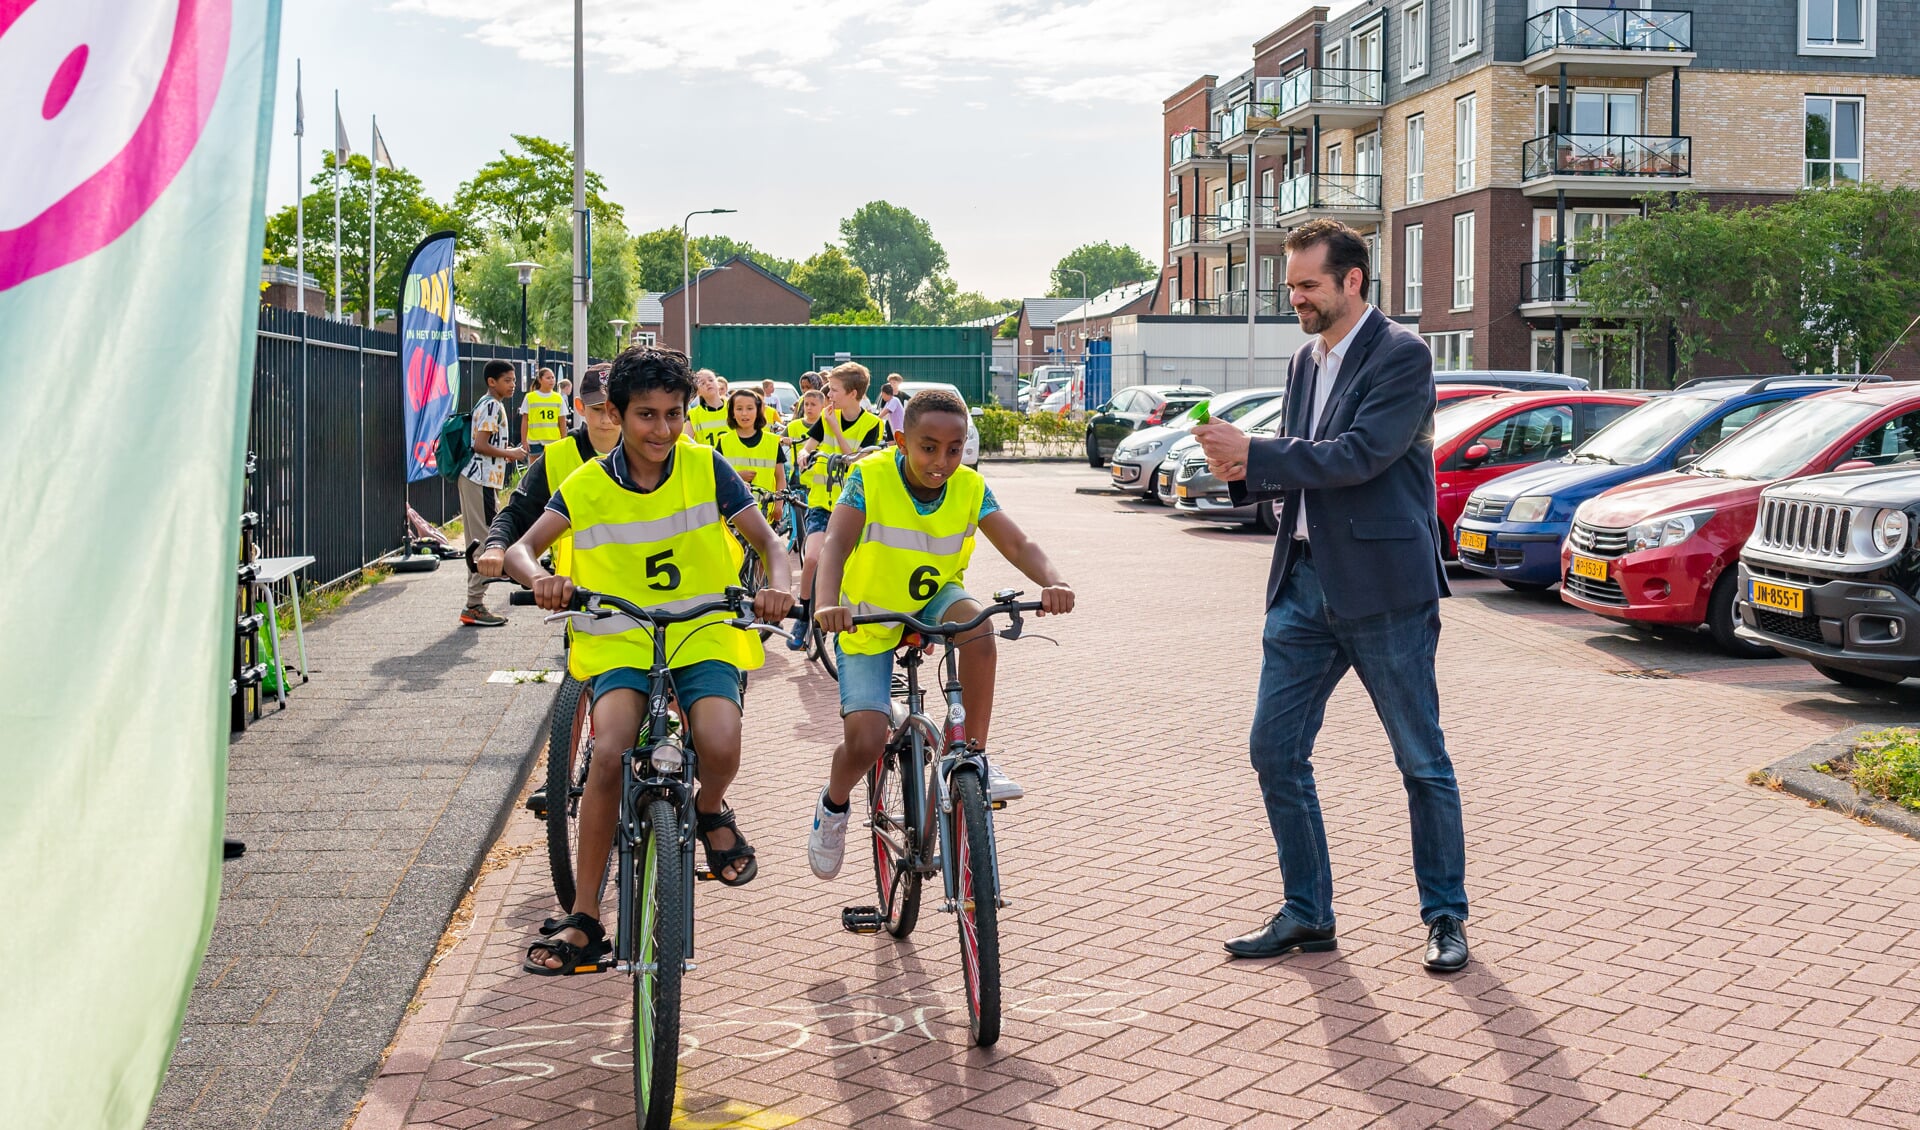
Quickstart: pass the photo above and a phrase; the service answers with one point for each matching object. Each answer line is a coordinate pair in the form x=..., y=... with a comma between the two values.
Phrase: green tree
x=1848, y=275
x=488, y=287
x=1106, y=266
x=550, y=298
x=515, y=193
x=657, y=254
x=971, y=306
x=720, y=248
x=897, y=251
x=836, y=286
x=866, y=316
x=406, y=215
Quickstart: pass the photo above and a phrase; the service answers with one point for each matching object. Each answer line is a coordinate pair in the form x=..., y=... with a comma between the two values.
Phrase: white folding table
x=269, y=572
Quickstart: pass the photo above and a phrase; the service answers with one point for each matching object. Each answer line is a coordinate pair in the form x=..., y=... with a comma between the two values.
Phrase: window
x=1463, y=261
x=1708, y=437
x=1464, y=32
x=1896, y=441
x=1465, y=142
x=1413, y=40
x=1376, y=288
x=643, y=339
x=1532, y=436
x=1366, y=159
x=1266, y=183
x=1615, y=112
x=1833, y=140
x=1369, y=58
x=1266, y=272
x=1333, y=56
x=1604, y=359
x=1451, y=350
x=1837, y=27
x=1410, y=269
x=1336, y=162
x=1416, y=158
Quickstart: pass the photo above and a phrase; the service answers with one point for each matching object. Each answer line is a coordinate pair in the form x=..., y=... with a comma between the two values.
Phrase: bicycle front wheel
x=821, y=644
x=976, y=880
x=895, y=836
x=569, y=744
x=656, y=912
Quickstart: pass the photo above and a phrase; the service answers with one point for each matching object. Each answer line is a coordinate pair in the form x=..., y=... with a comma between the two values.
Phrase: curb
x=1798, y=777
x=1033, y=459
x=345, y=1052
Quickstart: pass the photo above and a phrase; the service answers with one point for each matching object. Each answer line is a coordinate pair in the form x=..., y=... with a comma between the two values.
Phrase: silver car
x=1141, y=455
x=1196, y=492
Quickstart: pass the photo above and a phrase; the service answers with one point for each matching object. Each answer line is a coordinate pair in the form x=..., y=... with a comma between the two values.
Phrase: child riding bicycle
x=649, y=524
x=900, y=542
x=845, y=428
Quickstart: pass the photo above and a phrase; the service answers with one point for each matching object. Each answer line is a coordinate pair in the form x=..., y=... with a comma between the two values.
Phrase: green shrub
x=1887, y=764
x=999, y=427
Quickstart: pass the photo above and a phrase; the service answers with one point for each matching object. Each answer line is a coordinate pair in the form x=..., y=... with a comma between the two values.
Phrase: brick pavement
x=365, y=807
x=1656, y=942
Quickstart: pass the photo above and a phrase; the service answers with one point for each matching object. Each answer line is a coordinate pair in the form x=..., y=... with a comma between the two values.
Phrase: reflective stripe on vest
x=905, y=557
x=863, y=433
x=666, y=548
x=544, y=410
x=705, y=421
x=760, y=457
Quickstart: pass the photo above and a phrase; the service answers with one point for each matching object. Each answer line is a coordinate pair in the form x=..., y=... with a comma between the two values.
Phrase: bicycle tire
x=892, y=810
x=978, y=914
x=567, y=732
x=657, y=912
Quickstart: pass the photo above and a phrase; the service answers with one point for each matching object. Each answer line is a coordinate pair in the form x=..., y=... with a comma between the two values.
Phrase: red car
x=1662, y=550
x=1484, y=437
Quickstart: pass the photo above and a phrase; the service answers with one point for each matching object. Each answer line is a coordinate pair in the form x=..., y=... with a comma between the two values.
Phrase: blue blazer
x=1365, y=469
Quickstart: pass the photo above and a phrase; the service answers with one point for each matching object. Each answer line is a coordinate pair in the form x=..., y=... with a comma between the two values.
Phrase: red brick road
x=1657, y=943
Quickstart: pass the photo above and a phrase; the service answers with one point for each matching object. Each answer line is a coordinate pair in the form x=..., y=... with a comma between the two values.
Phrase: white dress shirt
x=1326, y=363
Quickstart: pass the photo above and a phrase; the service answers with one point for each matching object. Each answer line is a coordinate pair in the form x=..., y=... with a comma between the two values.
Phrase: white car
x=970, y=454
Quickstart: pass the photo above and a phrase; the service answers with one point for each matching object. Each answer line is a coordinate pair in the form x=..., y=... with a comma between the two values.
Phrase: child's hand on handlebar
x=838, y=618
x=491, y=562
x=1056, y=600
x=553, y=593
x=770, y=606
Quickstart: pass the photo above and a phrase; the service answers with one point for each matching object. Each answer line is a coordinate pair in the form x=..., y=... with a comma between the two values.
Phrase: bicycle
x=910, y=795
x=819, y=643
x=653, y=843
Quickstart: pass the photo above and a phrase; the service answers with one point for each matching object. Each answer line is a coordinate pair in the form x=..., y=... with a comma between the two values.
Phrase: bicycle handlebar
x=586, y=602
x=1011, y=608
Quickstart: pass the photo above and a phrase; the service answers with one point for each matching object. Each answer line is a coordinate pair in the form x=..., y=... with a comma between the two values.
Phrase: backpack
x=456, y=446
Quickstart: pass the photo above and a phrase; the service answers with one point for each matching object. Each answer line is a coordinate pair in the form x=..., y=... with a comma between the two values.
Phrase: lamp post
x=1253, y=244
x=1083, y=330
x=686, y=312
x=619, y=332
x=526, y=270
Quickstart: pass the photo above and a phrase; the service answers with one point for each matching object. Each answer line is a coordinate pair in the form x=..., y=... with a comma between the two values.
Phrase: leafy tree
x=515, y=193
x=720, y=248
x=836, y=286
x=971, y=306
x=1106, y=266
x=659, y=262
x=489, y=287
x=868, y=315
x=550, y=298
x=406, y=215
x=1848, y=275
x=897, y=251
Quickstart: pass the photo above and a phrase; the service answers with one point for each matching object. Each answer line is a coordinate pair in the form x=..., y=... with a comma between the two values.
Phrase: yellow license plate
x=1782, y=598
x=1592, y=568
x=1182, y=491
x=1472, y=541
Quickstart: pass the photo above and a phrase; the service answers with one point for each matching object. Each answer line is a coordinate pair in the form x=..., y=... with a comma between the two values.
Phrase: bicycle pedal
x=537, y=803
x=862, y=919
x=705, y=876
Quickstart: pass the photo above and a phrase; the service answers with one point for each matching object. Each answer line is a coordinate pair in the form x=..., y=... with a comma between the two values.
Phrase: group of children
x=637, y=506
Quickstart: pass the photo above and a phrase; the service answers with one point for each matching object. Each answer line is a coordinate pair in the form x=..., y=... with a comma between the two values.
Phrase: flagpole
x=582, y=222
x=373, y=213
x=337, y=288
x=299, y=195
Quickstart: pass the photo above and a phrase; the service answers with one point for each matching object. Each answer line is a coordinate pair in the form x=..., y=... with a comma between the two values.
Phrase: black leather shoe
x=1282, y=935
x=1446, y=944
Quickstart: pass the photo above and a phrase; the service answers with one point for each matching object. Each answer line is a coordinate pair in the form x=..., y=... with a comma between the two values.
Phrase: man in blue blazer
x=1356, y=584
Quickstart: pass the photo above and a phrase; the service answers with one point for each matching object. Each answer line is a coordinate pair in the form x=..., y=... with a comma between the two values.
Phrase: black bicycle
x=819, y=643
x=932, y=813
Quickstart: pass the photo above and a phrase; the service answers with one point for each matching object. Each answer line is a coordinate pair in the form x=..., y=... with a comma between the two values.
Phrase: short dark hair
x=643, y=368
x=1346, y=251
x=933, y=400
x=497, y=368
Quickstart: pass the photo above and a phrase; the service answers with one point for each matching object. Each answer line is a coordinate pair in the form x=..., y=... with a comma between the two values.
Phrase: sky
x=1019, y=129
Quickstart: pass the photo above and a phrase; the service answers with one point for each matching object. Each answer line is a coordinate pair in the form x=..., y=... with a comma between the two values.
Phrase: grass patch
x=1884, y=764
x=318, y=602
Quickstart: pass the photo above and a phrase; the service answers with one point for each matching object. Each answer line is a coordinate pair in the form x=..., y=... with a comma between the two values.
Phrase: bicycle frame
x=646, y=772
x=951, y=744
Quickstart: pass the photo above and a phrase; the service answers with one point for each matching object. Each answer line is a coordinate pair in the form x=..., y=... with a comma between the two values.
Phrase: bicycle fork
x=958, y=756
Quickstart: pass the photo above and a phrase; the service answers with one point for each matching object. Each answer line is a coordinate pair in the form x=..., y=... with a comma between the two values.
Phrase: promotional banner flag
x=429, y=349
x=131, y=220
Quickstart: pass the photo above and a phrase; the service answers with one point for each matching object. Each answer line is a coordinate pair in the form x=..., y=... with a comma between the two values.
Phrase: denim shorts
x=709, y=678
x=866, y=681
x=817, y=519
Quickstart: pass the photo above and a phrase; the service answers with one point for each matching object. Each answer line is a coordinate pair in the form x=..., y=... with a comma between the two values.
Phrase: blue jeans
x=1307, y=651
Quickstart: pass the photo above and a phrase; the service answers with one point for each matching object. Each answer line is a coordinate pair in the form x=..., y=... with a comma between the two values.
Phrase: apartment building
x=1478, y=143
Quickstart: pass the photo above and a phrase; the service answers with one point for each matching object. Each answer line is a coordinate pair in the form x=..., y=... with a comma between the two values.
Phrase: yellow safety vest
x=761, y=459
x=704, y=421
x=904, y=557
x=561, y=460
x=544, y=412
x=864, y=433
x=773, y=415
x=667, y=549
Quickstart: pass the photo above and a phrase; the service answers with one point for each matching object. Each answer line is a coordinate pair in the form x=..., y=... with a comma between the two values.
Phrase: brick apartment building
x=738, y=291
x=1466, y=138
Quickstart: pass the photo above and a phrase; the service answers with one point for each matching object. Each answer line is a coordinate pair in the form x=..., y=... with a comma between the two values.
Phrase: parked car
x=1139, y=455
x=1512, y=528
x=970, y=454
x=1830, y=574
x=1195, y=491
x=1133, y=408
x=785, y=397
x=1045, y=381
x=1484, y=438
x=1519, y=380
x=1661, y=550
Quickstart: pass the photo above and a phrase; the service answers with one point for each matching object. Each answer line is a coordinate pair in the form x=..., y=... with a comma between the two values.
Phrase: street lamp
x=1253, y=243
x=1083, y=326
x=686, y=312
x=526, y=270
x=619, y=332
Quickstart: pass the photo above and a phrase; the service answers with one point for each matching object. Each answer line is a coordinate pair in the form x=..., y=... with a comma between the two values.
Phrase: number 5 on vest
x=662, y=573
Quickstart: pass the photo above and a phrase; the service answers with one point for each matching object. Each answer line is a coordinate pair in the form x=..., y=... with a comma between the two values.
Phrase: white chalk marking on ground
x=516, y=677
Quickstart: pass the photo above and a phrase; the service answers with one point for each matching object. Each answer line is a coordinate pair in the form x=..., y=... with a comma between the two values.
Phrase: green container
x=955, y=355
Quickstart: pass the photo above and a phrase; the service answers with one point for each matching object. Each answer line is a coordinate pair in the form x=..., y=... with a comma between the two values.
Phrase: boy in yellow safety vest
x=707, y=416
x=900, y=542
x=599, y=430
x=541, y=412
x=845, y=428
x=649, y=525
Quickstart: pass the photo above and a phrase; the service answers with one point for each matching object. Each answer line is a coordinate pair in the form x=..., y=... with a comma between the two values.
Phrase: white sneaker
x=1000, y=787
x=827, y=846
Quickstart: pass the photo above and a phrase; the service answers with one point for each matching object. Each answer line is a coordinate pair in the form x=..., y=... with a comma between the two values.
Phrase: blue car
x=1512, y=527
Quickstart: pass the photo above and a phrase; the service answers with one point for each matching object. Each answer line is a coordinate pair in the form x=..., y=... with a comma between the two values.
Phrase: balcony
x=1204, y=306
x=1341, y=98
x=1349, y=197
x=1233, y=216
x=1549, y=287
x=1233, y=304
x=1195, y=233
x=1244, y=121
x=1597, y=164
x=1195, y=149
x=1604, y=41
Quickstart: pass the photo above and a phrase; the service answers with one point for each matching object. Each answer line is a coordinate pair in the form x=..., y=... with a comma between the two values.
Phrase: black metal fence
x=326, y=431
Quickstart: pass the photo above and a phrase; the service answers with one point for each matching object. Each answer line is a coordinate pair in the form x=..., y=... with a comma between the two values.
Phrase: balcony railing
x=1189, y=145
x=1193, y=229
x=1603, y=29
x=1345, y=191
x=1343, y=86
x=1233, y=303
x=1606, y=155
x=1196, y=306
x=1233, y=215
x=1548, y=280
